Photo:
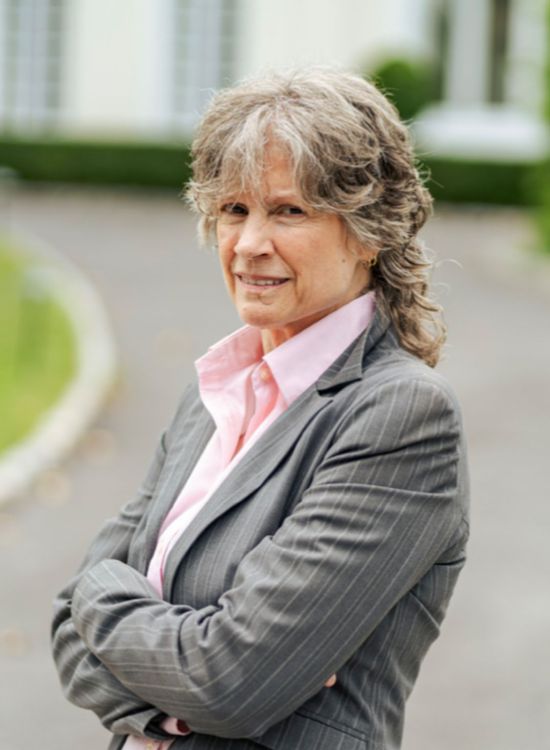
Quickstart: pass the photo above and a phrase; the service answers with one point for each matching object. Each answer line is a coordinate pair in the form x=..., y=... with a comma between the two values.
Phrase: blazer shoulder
x=392, y=369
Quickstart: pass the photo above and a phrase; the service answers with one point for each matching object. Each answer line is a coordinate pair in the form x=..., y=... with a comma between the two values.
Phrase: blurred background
x=106, y=299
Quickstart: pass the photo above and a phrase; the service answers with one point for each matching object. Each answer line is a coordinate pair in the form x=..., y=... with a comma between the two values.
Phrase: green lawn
x=37, y=347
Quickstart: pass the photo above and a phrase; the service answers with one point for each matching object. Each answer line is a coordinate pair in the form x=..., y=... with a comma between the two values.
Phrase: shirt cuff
x=175, y=726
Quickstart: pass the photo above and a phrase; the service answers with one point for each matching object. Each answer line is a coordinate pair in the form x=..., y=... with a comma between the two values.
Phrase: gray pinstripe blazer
x=334, y=546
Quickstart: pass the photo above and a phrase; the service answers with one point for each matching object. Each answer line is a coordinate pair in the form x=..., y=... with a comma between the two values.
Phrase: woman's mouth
x=260, y=282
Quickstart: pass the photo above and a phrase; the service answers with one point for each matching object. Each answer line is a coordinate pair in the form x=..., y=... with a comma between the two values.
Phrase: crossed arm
x=381, y=510
x=86, y=681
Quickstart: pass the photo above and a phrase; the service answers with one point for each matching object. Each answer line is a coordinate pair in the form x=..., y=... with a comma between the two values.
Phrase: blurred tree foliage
x=410, y=84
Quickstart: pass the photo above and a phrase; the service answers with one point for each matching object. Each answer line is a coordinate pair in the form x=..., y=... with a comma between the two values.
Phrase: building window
x=499, y=49
x=473, y=41
x=440, y=26
x=31, y=34
x=204, y=54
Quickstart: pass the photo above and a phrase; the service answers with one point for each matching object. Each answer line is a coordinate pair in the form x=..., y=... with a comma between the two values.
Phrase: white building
x=144, y=68
x=494, y=84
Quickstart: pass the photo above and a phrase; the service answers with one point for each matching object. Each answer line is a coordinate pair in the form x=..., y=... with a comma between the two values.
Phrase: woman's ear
x=366, y=255
x=370, y=260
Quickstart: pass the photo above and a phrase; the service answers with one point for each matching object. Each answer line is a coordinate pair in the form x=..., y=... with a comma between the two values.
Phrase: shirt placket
x=265, y=393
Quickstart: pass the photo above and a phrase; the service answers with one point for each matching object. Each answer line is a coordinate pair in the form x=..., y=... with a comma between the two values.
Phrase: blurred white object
x=496, y=132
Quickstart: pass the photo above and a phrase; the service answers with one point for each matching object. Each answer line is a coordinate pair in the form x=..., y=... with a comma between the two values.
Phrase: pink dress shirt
x=245, y=390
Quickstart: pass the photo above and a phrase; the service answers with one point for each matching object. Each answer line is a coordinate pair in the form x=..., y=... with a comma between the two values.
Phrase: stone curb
x=62, y=425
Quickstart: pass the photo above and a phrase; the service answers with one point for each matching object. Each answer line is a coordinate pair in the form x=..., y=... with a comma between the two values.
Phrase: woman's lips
x=260, y=283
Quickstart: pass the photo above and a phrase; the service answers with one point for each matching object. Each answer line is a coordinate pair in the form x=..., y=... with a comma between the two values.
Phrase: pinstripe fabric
x=334, y=546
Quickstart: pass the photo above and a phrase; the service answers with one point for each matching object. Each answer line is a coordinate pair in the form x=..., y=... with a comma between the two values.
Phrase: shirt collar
x=236, y=352
x=301, y=360
x=298, y=362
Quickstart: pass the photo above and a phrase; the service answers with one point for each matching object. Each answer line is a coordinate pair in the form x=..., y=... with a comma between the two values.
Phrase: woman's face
x=284, y=265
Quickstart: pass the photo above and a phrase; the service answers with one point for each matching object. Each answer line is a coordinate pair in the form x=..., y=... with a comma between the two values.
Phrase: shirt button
x=150, y=746
x=265, y=373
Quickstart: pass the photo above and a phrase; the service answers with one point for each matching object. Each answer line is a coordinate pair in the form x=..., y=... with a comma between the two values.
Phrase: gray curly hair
x=351, y=156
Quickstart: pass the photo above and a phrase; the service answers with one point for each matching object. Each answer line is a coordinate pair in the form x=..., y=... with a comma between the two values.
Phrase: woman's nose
x=254, y=237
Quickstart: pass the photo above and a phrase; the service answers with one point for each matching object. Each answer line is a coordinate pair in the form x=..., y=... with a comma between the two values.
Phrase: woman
x=306, y=513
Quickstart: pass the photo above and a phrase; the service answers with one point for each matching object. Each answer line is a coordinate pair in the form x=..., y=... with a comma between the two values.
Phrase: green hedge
x=459, y=181
x=149, y=164
x=168, y=165
x=542, y=176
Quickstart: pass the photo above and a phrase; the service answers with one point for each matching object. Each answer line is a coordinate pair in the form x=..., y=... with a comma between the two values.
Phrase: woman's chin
x=259, y=316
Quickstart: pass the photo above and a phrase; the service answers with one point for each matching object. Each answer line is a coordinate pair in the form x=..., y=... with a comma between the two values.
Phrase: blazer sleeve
x=384, y=505
x=85, y=680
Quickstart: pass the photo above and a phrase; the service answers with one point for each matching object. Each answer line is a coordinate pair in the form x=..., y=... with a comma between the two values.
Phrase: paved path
x=485, y=684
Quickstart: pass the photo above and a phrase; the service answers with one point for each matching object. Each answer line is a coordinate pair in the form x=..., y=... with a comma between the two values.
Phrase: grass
x=37, y=347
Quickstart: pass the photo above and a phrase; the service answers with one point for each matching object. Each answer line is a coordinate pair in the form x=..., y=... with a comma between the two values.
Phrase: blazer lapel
x=189, y=444
x=251, y=471
x=351, y=364
x=263, y=457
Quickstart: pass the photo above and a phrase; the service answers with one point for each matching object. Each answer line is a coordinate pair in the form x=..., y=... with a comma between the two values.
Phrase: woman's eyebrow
x=283, y=196
x=274, y=199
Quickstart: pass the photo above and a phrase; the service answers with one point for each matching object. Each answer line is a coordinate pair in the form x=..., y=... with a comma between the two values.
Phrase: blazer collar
x=351, y=363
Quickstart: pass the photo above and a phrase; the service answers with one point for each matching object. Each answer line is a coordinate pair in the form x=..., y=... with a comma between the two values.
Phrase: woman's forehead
x=271, y=174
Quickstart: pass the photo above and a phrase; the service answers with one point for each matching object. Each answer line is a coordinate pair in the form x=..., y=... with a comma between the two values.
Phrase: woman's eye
x=234, y=209
x=291, y=211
